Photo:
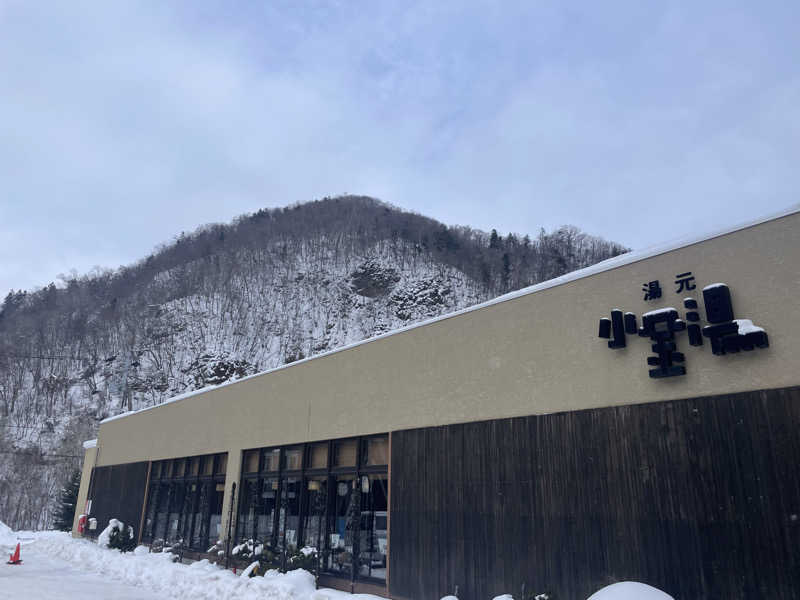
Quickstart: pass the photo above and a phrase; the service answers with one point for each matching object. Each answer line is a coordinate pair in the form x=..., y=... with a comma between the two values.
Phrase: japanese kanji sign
x=726, y=333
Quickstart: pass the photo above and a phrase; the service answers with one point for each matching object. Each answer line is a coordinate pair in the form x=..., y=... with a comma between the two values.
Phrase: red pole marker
x=14, y=559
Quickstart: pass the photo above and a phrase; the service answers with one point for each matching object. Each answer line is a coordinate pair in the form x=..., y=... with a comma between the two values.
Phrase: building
x=509, y=447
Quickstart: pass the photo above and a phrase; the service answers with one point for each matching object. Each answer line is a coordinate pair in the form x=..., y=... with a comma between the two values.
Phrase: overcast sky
x=123, y=124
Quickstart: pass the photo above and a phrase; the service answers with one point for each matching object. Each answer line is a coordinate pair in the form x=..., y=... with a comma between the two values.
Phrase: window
x=318, y=456
x=250, y=462
x=315, y=510
x=376, y=451
x=272, y=460
x=344, y=453
x=328, y=495
x=342, y=524
x=249, y=506
x=268, y=513
x=289, y=516
x=177, y=492
x=373, y=538
x=293, y=458
x=184, y=504
x=215, y=512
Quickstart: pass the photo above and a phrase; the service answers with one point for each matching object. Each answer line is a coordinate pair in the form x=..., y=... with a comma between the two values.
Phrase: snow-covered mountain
x=227, y=301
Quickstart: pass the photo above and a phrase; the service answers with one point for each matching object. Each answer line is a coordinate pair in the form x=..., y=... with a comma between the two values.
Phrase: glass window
x=296, y=500
x=265, y=528
x=272, y=459
x=162, y=511
x=372, y=546
x=177, y=492
x=208, y=465
x=251, y=461
x=189, y=500
x=342, y=524
x=200, y=531
x=376, y=451
x=150, y=515
x=289, y=516
x=195, y=470
x=156, y=470
x=215, y=513
x=314, y=518
x=293, y=458
x=344, y=453
x=220, y=464
x=248, y=506
x=318, y=456
x=178, y=469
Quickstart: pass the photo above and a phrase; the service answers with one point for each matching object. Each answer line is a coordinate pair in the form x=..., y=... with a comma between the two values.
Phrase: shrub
x=122, y=539
x=305, y=558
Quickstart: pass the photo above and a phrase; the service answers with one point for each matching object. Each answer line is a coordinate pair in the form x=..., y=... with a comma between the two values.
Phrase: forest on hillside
x=228, y=300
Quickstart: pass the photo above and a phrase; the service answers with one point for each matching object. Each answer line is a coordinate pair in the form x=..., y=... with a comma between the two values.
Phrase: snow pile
x=630, y=590
x=7, y=537
x=156, y=571
x=105, y=536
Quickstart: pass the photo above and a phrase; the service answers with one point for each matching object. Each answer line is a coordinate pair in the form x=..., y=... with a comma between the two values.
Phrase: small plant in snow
x=122, y=539
x=306, y=558
x=254, y=550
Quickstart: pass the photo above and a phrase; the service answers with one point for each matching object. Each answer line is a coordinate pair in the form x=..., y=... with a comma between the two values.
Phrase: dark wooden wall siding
x=700, y=498
x=117, y=492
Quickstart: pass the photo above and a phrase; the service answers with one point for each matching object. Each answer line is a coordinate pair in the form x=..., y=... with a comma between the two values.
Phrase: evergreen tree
x=494, y=240
x=66, y=503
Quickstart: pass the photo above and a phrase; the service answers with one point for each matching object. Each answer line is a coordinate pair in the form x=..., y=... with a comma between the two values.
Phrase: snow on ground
x=7, y=537
x=58, y=566
x=45, y=577
x=55, y=565
x=164, y=579
x=630, y=590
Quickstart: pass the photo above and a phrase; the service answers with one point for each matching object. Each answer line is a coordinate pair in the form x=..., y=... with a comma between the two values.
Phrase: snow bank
x=630, y=590
x=7, y=537
x=199, y=581
x=204, y=581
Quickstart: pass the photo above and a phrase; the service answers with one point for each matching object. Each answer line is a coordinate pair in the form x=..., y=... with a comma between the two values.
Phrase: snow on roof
x=90, y=444
x=601, y=267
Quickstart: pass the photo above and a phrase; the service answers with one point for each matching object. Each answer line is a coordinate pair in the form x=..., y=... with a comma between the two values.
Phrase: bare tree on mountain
x=228, y=300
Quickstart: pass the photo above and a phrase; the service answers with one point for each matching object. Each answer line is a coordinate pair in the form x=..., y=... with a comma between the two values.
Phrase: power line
x=35, y=455
x=41, y=356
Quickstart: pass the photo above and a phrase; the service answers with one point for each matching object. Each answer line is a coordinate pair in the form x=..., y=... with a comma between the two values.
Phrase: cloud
x=123, y=124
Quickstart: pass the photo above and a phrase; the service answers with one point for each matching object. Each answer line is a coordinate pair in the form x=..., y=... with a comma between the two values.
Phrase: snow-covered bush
x=122, y=539
x=266, y=556
x=304, y=558
x=117, y=535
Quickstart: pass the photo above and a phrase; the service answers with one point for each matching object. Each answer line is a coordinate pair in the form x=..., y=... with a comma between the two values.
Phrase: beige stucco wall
x=538, y=353
x=89, y=457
